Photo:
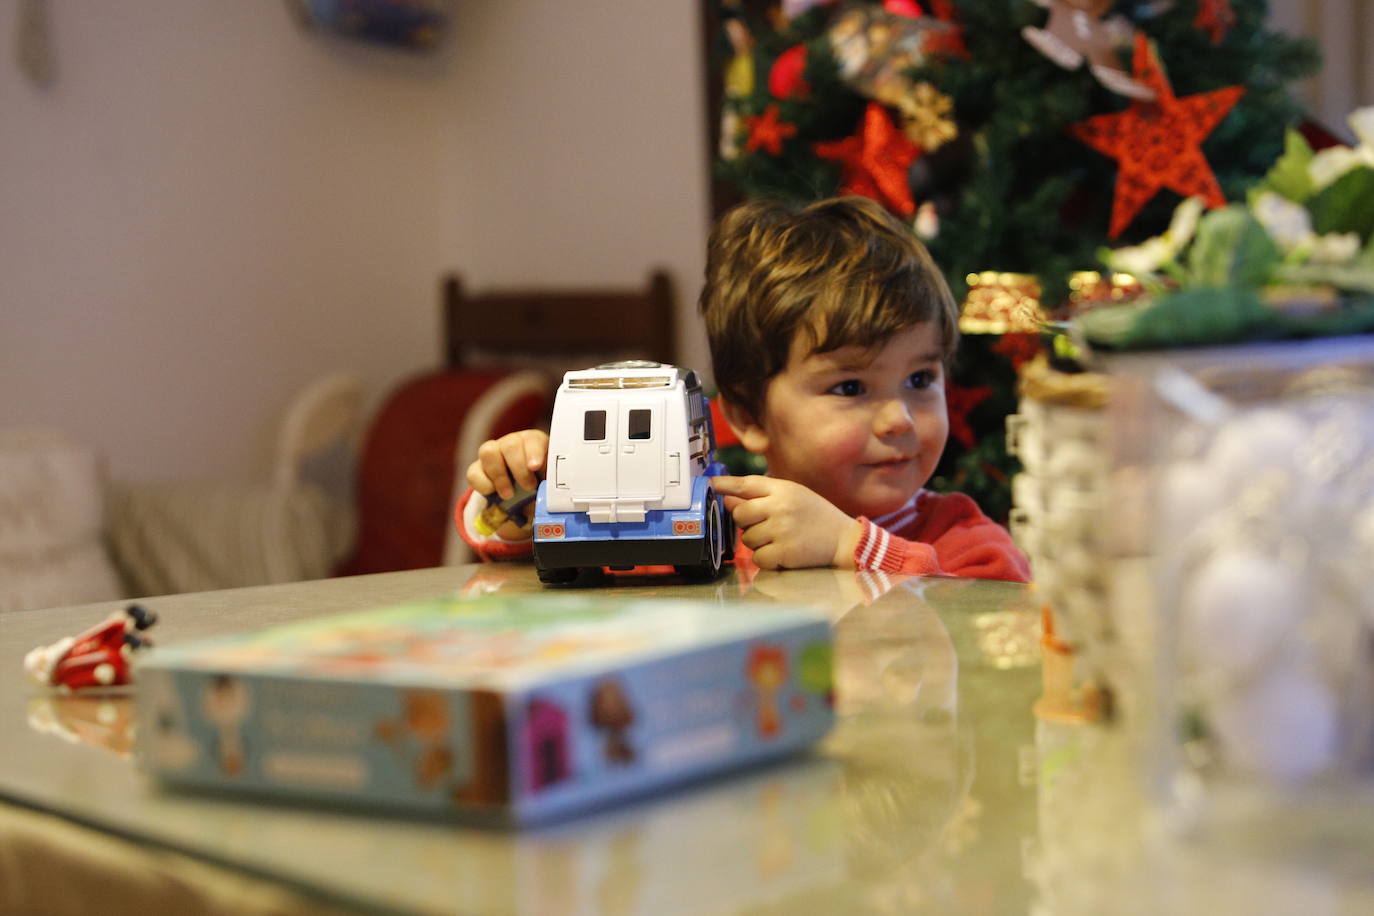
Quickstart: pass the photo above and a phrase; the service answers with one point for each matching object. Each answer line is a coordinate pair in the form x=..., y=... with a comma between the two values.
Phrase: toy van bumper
x=664, y=537
x=618, y=552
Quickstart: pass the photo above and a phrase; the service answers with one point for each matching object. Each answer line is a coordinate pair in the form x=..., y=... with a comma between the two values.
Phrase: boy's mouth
x=899, y=461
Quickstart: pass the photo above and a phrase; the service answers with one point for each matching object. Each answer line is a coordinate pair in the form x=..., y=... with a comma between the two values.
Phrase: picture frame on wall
x=415, y=25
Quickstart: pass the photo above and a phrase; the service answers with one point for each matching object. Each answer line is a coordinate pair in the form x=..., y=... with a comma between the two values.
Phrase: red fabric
x=405, y=474
x=490, y=547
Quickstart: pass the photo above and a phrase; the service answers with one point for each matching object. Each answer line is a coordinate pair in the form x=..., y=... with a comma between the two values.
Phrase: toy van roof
x=630, y=374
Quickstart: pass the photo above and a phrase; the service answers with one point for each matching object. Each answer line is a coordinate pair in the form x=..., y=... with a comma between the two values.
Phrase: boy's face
x=862, y=428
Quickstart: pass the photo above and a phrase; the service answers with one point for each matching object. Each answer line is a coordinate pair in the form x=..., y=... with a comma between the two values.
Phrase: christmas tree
x=1016, y=136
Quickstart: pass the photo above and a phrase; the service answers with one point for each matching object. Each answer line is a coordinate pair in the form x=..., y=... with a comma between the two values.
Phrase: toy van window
x=594, y=425
x=640, y=424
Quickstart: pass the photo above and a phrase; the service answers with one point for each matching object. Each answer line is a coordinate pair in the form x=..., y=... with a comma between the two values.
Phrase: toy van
x=631, y=454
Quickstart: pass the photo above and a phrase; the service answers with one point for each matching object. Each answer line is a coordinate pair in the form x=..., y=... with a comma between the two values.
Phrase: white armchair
x=184, y=536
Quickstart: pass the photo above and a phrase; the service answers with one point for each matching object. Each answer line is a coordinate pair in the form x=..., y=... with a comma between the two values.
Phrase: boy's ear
x=747, y=428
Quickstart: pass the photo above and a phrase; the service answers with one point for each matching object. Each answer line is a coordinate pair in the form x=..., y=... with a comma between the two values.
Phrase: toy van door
x=639, y=468
x=592, y=464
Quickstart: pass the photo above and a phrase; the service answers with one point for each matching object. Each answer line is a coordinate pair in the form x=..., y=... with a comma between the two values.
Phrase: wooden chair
x=505, y=352
x=557, y=330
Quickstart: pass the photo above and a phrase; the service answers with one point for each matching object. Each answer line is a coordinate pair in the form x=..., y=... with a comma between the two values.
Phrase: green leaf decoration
x=1290, y=176
x=1350, y=277
x=1231, y=247
x=1212, y=317
x=1111, y=326
x=1193, y=317
x=1346, y=205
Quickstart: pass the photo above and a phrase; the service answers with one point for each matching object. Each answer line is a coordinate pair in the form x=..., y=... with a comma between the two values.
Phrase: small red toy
x=98, y=657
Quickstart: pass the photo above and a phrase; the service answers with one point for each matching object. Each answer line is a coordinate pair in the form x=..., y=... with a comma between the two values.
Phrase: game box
x=509, y=709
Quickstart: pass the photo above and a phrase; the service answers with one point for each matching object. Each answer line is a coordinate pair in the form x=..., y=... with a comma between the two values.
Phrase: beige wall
x=211, y=207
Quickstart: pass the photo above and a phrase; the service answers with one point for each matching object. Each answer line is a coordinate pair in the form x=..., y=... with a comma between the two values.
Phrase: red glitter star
x=958, y=402
x=767, y=132
x=875, y=161
x=1214, y=17
x=1158, y=144
x=1019, y=349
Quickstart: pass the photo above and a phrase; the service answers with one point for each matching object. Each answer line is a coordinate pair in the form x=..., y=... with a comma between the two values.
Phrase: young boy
x=830, y=331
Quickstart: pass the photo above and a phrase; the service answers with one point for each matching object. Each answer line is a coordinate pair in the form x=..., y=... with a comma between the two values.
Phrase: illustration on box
x=631, y=455
x=523, y=706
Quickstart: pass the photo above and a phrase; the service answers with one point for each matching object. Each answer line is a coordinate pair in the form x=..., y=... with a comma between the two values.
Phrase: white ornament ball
x=1253, y=442
x=1283, y=726
x=1239, y=611
x=1189, y=494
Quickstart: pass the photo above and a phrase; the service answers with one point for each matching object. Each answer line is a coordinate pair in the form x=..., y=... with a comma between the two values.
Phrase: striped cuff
x=874, y=550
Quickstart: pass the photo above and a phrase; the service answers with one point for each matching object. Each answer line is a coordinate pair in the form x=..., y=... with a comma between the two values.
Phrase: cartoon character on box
x=631, y=454
x=610, y=712
x=767, y=672
x=101, y=656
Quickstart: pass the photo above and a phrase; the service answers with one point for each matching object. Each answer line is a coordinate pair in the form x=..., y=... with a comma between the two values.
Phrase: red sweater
x=936, y=534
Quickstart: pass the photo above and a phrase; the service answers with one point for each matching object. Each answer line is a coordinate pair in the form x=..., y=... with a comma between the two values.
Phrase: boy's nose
x=894, y=418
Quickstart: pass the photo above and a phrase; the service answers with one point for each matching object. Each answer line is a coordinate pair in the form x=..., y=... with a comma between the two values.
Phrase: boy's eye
x=921, y=380
x=849, y=388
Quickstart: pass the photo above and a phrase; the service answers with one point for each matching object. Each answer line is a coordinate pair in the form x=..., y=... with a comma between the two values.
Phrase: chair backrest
x=319, y=433
x=557, y=330
x=413, y=462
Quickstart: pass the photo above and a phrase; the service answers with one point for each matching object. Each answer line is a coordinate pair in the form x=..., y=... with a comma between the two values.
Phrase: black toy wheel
x=558, y=575
x=712, y=545
x=577, y=576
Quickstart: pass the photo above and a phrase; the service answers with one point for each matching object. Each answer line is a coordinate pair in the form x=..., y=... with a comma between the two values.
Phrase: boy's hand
x=787, y=525
x=516, y=459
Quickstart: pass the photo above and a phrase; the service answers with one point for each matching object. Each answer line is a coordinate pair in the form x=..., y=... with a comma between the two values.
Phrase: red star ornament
x=875, y=161
x=1214, y=17
x=958, y=402
x=1158, y=144
x=767, y=132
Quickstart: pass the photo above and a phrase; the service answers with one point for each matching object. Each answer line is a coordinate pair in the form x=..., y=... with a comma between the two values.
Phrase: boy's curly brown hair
x=843, y=270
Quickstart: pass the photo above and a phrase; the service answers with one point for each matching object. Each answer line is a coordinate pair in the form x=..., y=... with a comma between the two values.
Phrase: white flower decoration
x=1142, y=259
x=1335, y=247
x=1288, y=223
x=1290, y=226
x=1330, y=164
x=1154, y=253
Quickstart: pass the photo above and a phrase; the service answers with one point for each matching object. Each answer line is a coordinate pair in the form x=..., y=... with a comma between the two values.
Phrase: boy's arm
x=787, y=525
x=948, y=536
x=503, y=468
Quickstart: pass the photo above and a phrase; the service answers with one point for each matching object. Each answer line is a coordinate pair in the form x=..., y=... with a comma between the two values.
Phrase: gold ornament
x=925, y=111
x=1002, y=303
x=999, y=302
x=739, y=72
